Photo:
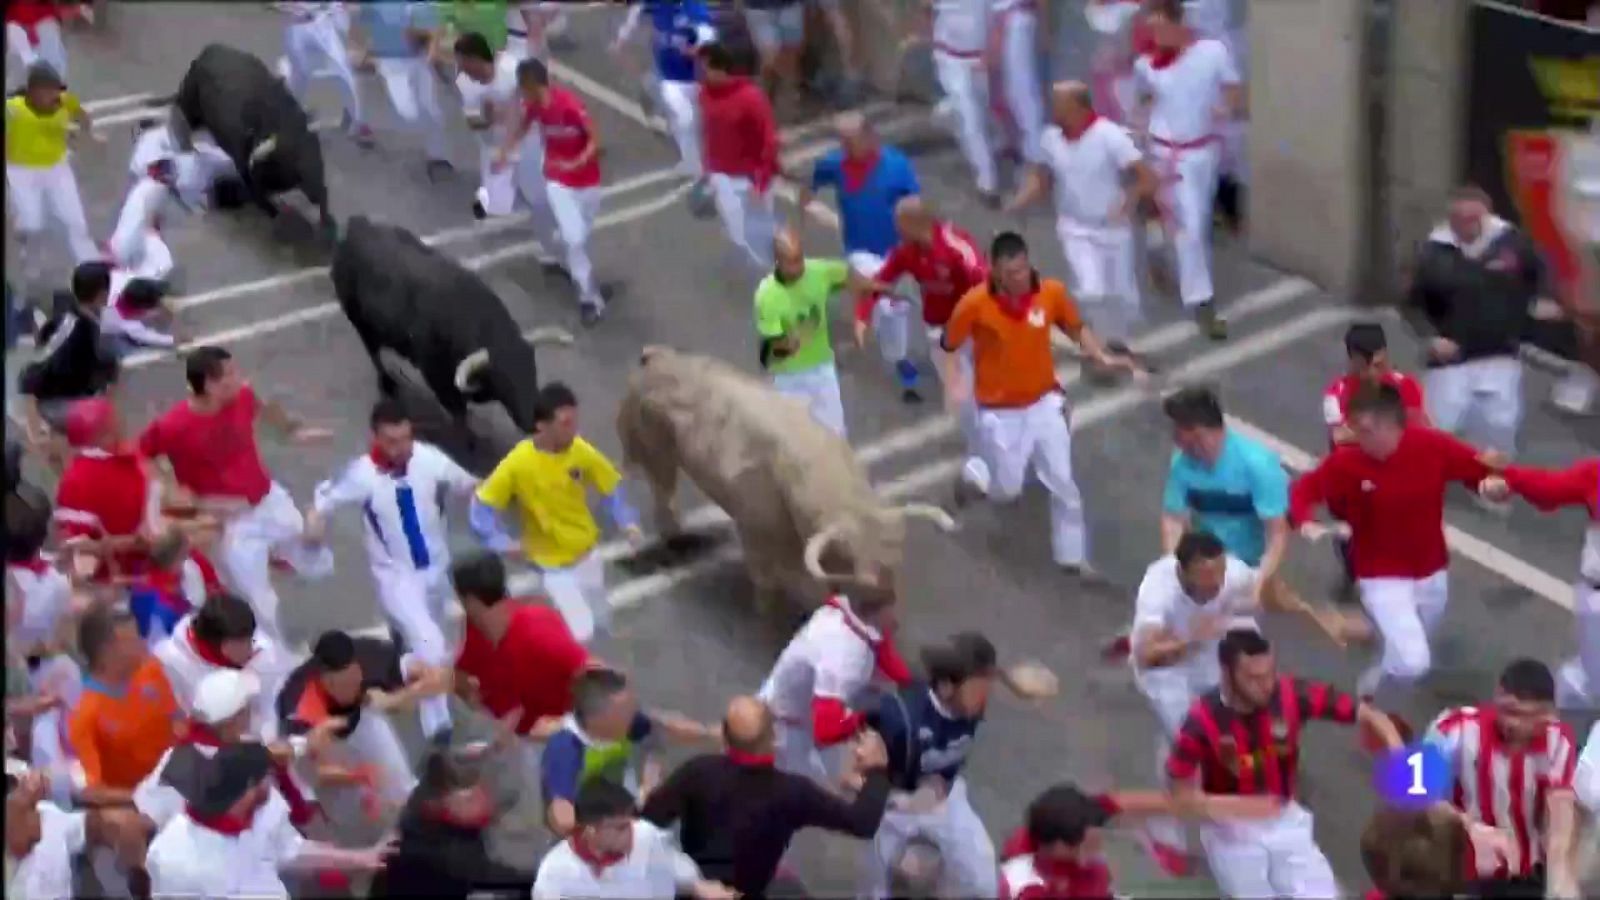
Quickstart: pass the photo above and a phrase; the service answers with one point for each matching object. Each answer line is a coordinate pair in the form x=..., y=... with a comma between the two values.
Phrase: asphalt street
x=688, y=631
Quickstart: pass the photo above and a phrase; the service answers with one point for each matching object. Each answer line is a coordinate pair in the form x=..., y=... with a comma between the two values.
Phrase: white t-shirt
x=45, y=597
x=1088, y=171
x=46, y=872
x=497, y=99
x=1163, y=603
x=189, y=860
x=184, y=669
x=961, y=27
x=832, y=655
x=654, y=868
x=1186, y=95
x=1586, y=780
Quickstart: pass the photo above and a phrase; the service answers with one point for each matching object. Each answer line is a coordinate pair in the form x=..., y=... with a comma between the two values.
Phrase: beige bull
x=794, y=491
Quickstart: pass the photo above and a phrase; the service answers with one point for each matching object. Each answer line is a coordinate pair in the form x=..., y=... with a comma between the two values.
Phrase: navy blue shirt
x=921, y=738
x=679, y=27
x=867, y=213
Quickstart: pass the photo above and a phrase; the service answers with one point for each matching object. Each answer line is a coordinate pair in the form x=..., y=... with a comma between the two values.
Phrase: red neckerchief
x=751, y=760
x=227, y=824
x=1162, y=57
x=169, y=587
x=209, y=653
x=37, y=565
x=596, y=862
x=1015, y=307
x=199, y=734
x=853, y=623
x=387, y=466
x=439, y=812
x=857, y=170
x=301, y=810
x=1072, y=878
x=126, y=309
x=1073, y=134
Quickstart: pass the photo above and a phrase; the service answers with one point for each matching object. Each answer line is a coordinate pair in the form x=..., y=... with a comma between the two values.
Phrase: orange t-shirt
x=1012, y=359
x=119, y=735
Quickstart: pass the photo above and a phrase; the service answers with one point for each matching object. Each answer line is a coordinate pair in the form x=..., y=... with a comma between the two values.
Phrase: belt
x=948, y=50
x=517, y=32
x=1195, y=144
x=34, y=662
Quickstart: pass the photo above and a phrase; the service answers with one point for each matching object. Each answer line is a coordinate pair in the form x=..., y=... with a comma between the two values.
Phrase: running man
x=313, y=44
x=741, y=154
x=39, y=175
x=869, y=179
x=401, y=40
x=960, y=58
x=1022, y=416
x=546, y=475
x=491, y=104
x=678, y=28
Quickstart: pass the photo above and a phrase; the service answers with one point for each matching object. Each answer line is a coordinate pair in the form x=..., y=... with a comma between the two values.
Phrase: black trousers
x=1530, y=887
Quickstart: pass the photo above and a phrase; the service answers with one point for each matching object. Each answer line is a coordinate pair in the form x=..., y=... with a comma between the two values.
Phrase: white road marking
x=94, y=107
x=1513, y=569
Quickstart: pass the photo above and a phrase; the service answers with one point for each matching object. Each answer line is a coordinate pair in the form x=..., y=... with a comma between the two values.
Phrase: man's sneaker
x=439, y=168
x=966, y=493
x=1078, y=570
x=1211, y=325
x=989, y=199
x=589, y=314
x=910, y=397
x=478, y=212
x=701, y=203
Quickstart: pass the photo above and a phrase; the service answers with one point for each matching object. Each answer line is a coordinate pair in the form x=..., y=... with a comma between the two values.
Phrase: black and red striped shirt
x=1257, y=752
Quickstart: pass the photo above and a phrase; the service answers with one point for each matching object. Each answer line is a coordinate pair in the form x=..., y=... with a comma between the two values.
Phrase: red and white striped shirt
x=1502, y=787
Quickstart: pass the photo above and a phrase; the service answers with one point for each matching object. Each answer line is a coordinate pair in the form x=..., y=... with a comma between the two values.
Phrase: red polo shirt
x=945, y=269
x=531, y=668
x=213, y=455
x=564, y=125
x=105, y=494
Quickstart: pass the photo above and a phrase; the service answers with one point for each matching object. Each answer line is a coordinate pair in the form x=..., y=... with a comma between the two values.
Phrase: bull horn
x=814, y=548
x=932, y=513
x=262, y=150
x=475, y=360
x=550, y=334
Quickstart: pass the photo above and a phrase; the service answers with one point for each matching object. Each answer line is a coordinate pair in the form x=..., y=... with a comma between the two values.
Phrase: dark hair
x=224, y=617
x=1198, y=545
x=717, y=56
x=42, y=74
x=1415, y=853
x=203, y=366
x=474, y=45
x=1473, y=193
x=965, y=656
x=143, y=294
x=1007, y=245
x=1365, y=340
x=1528, y=679
x=481, y=576
x=91, y=281
x=1382, y=400
x=388, y=411
x=1063, y=815
x=1194, y=407
x=334, y=651
x=600, y=799
x=552, y=398
x=594, y=689
x=98, y=628
x=533, y=70
x=1241, y=642
x=1171, y=10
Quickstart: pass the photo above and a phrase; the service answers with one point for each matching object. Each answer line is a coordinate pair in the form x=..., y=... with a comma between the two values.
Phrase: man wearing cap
x=234, y=835
x=222, y=634
x=357, y=680
x=221, y=716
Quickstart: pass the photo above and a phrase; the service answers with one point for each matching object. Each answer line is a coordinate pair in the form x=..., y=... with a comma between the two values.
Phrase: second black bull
x=403, y=296
x=251, y=115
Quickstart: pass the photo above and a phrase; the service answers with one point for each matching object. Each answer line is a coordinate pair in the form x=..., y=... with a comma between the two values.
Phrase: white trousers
x=136, y=244
x=967, y=415
x=1276, y=857
x=965, y=849
x=32, y=192
x=579, y=594
x=747, y=216
x=316, y=47
x=372, y=743
x=680, y=100
x=891, y=318
x=414, y=601
x=1578, y=681
x=1102, y=261
x=1188, y=178
x=50, y=49
x=272, y=528
x=409, y=81
x=1037, y=435
x=521, y=179
x=819, y=389
x=966, y=89
x=1020, y=74
x=1491, y=388
x=1405, y=611
x=51, y=750
x=574, y=210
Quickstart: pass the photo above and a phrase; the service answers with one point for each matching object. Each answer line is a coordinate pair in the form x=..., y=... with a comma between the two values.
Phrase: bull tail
x=549, y=334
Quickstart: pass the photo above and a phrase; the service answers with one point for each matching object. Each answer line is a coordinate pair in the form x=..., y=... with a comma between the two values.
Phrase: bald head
x=788, y=255
x=854, y=132
x=913, y=219
x=1071, y=102
x=747, y=727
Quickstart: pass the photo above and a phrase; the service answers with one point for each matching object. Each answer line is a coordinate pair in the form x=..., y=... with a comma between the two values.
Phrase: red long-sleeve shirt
x=832, y=721
x=1550, y=489
x=741, y=134
x=1394, y=506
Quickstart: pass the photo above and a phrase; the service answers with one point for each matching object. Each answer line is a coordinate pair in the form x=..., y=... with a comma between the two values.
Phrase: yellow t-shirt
x=557, y=525
x=36, y=141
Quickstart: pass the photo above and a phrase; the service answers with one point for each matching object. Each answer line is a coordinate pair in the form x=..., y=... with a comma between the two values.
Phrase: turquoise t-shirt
x=800, y=309
x=1232, y=499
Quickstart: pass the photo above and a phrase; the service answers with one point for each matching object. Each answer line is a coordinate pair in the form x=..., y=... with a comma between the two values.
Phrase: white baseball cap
x=223, y=693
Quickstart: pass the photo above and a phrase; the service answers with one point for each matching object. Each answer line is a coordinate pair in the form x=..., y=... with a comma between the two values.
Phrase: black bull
x=260, y=125
x=402, y=295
